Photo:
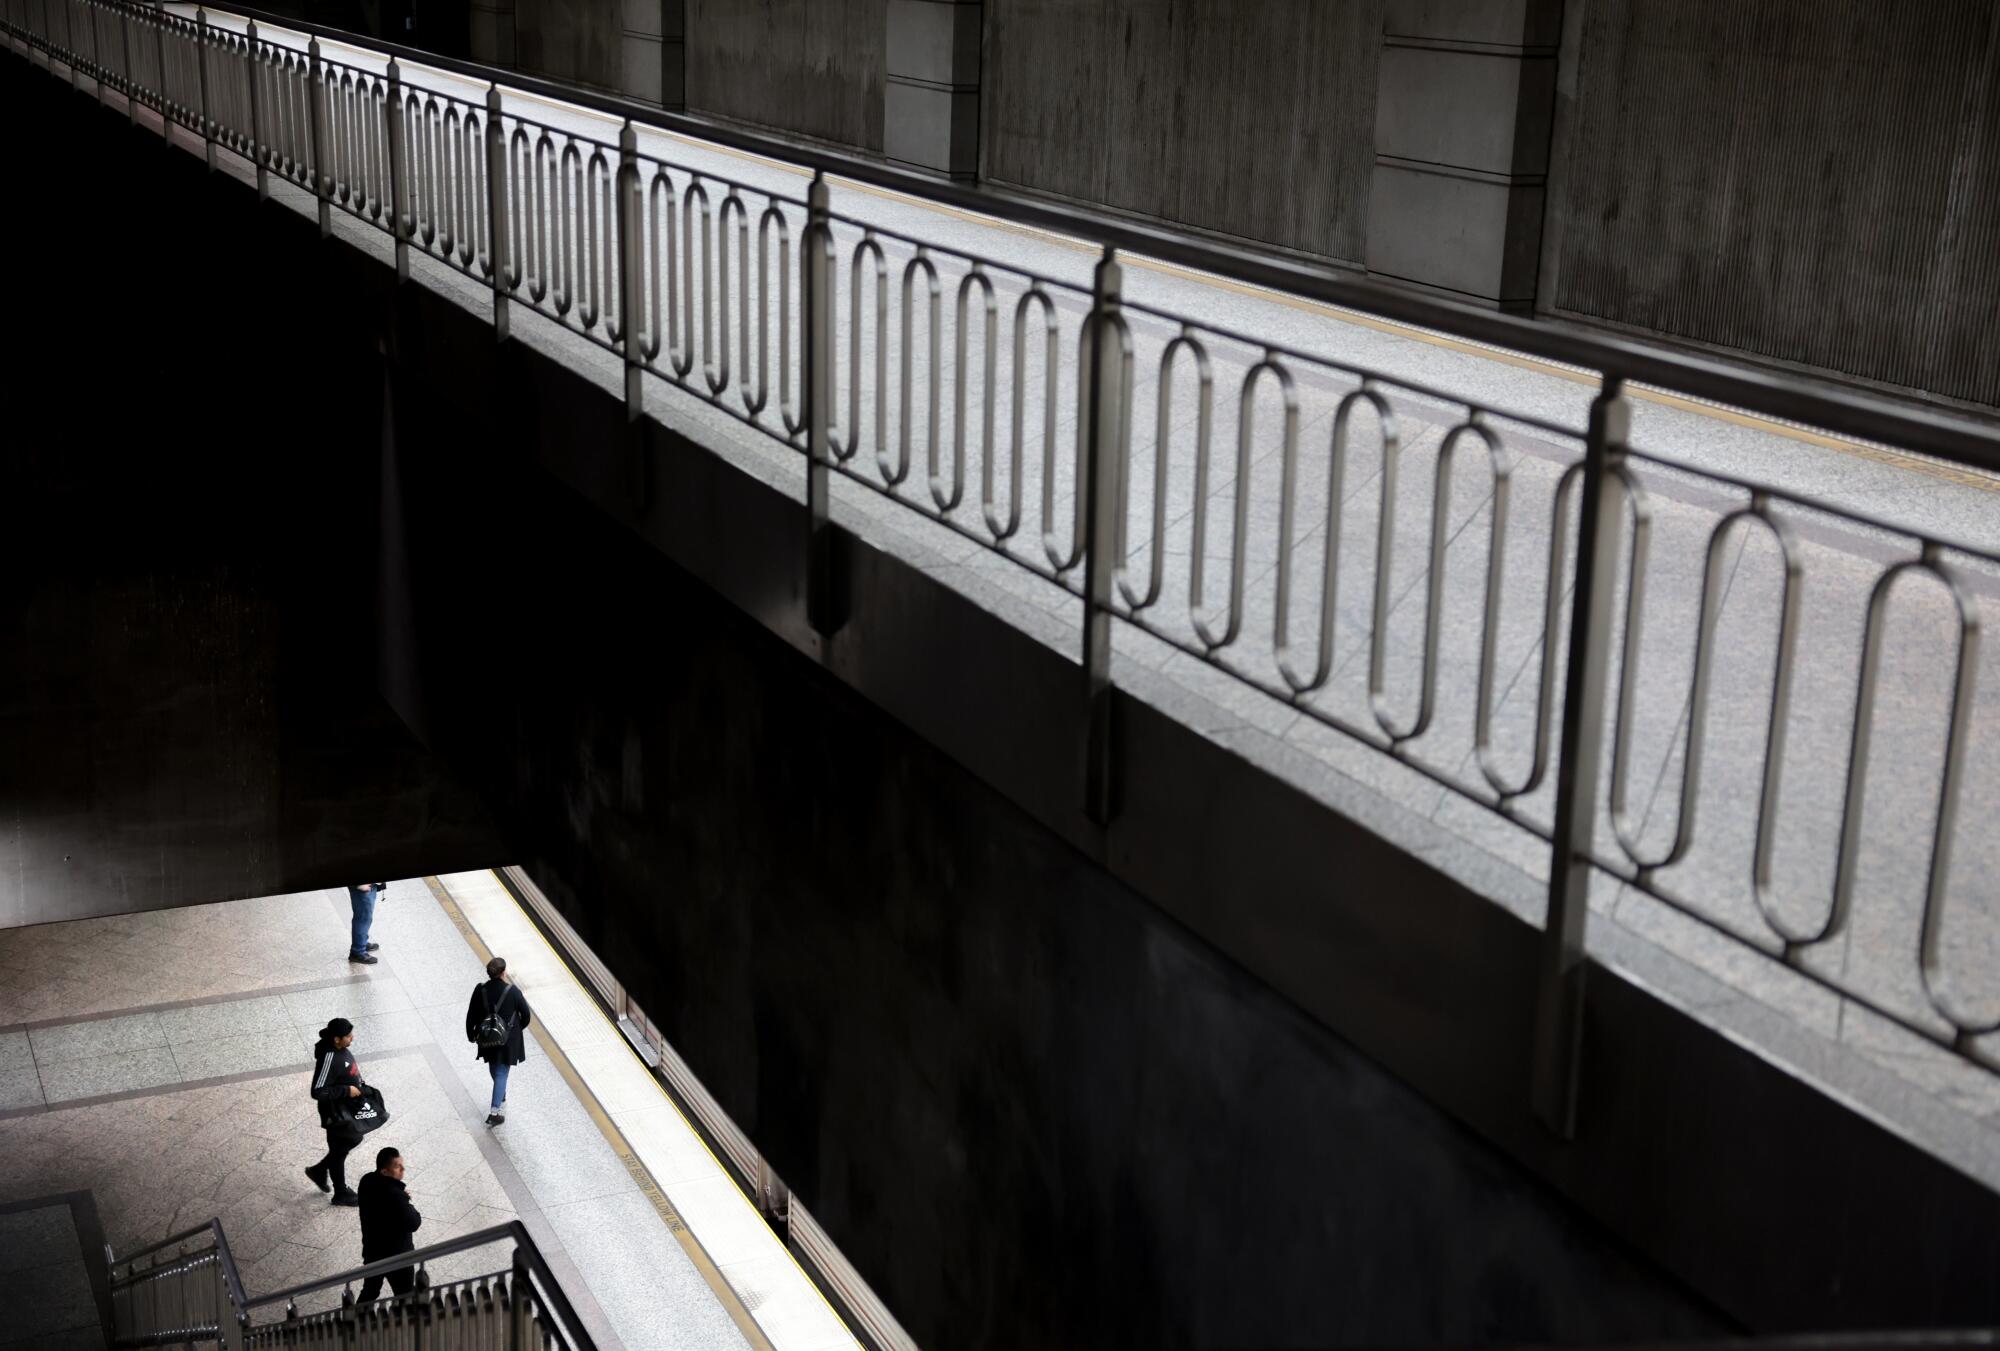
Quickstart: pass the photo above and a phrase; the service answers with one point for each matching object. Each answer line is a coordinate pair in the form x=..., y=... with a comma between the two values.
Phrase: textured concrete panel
x=640, y=68
x=570, y=40
x=641, y=16
x=810, y=66
x=1477, y=110
x=935, y=128
x=1526, y=23
x=1460, y=233
x=1812, y=182
x=1252, y=120
x=934, y=40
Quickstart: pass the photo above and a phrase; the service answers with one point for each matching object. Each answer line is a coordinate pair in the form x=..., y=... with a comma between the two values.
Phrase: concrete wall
x=1816, y=181
x=1810, y=184
x=815, y=67
x=1250, y=119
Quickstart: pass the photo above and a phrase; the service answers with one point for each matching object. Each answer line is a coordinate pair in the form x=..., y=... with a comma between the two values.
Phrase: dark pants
x=401, y=1281
x=338, y=1147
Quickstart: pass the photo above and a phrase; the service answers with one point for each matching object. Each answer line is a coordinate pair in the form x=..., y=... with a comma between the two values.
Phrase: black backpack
x=492, y=1032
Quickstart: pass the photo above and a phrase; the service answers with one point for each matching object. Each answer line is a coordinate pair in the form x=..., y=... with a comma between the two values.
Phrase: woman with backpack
x=496, y=1023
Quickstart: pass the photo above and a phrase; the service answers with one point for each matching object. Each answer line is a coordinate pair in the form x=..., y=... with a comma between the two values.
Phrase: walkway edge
x=686, y=1237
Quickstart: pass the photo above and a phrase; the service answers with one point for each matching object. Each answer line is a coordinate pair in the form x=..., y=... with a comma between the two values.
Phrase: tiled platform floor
x=161, y=1067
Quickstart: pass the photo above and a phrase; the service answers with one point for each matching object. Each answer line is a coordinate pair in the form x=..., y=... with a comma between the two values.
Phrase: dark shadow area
x=188, y=694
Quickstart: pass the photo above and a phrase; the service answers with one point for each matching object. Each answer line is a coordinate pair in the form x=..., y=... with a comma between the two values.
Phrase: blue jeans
x=362, y=903
x=498, y=1069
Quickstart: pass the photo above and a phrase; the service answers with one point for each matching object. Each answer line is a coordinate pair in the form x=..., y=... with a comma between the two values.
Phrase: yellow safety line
x=614, y=1137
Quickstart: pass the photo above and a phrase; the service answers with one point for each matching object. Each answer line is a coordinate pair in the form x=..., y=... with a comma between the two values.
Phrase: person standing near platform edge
x=361, y=904
x=496, y=1021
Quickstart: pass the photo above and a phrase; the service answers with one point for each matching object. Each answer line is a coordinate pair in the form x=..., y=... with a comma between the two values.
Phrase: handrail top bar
x=205, y=1227
x=512, y=1229
x=1788, y=397
x=211, y=1227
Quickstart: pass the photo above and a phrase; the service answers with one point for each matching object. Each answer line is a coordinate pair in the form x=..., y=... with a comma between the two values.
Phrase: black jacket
x=387, y=1217
x=334, y=1072
x=512, y=1006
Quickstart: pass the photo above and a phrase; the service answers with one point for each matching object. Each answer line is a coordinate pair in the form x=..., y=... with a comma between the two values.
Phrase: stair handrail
x=528, y=1266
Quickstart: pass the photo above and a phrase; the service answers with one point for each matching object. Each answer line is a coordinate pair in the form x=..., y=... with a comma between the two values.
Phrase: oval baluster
x=569, y=191
x=1240, y=516
x=1036, y=297
x=1545, y=678
x=717, y=372
x=1187, y=342
x=659, y=194
x=595, y=191
x=894, y=476
x=695, y=193
x=947, y=500
x=844, y=451
x=754, y=404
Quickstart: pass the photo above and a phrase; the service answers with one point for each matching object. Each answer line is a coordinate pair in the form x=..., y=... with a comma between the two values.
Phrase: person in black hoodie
x=387, y=1221
x=502, y=1000
x=335, y=1076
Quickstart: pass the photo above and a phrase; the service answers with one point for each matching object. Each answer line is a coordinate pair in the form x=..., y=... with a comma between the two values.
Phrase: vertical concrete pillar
x=492, y=32
x=673, y=55
x=1465, y=102
x=930, y=96
x=652, y=50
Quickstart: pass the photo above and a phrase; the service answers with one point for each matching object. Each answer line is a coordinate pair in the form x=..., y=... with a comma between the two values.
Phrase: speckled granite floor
x=158, y=1064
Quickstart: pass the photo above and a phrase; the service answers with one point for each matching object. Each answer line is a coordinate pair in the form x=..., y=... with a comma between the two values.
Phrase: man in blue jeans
x=495, y=1023
x=361, y=901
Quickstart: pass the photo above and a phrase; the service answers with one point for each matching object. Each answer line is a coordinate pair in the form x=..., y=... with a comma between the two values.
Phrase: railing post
x=160, y=52
x=97, y=58
x=316, y=128
x=256, y=130
x=1559, y=993
x=1104, y=463
x=630, y=306
x=517, y=1301
x=201, y=75
x=131, y=85
x=497, y=230
x=398, y=172
x=71, y=44
x=816, y=352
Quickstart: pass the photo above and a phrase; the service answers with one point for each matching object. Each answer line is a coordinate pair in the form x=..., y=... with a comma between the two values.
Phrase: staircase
x=185, y=1291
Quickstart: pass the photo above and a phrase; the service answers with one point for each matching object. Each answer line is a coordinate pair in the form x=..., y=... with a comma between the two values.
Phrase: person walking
x=335, y=1076
x=387, y=1221
x=496, y=1022
x=361, y=905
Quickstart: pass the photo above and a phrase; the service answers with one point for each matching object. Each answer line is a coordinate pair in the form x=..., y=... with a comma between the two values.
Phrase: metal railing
x=186, y=1289
x=1008, y=406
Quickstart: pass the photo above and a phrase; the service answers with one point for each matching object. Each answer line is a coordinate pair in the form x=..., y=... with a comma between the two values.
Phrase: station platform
x=153, y=1074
